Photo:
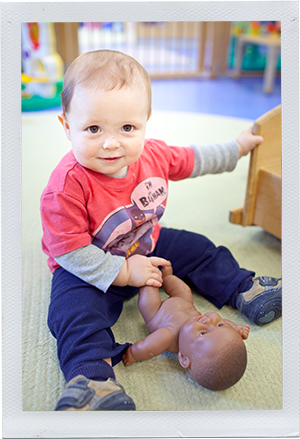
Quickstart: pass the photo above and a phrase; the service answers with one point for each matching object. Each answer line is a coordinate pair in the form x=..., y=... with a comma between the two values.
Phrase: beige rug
x=200, y=205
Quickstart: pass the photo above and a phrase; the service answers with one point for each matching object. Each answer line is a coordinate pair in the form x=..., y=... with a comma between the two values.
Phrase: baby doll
x=211, y=348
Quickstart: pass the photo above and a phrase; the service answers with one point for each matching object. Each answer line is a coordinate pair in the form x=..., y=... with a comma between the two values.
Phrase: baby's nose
x=110, y=142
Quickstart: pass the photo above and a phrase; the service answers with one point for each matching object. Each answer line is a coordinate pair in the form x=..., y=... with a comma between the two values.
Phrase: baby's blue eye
x=94, y=129
x=221, y=324
x=127, y=128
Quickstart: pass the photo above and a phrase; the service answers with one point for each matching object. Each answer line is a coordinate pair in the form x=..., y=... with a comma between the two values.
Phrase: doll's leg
x=149, y=302
x=174, y=286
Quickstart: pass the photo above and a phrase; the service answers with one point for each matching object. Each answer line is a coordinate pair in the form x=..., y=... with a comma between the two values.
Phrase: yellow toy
x=42, y=66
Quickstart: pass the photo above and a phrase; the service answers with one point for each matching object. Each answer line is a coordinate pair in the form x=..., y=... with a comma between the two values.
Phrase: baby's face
x=107, y=128
x=205, y=334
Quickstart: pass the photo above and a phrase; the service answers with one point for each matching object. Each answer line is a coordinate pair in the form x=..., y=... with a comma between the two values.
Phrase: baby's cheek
x=137, y=149
x=83, y=154
x=137, y=145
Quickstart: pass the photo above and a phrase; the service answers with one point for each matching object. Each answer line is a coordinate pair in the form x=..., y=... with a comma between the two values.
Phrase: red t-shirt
x=119, y=215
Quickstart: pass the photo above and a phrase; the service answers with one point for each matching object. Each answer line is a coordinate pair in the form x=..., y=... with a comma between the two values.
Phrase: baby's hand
x=127, y=357
x=145, y=271
x=139, y=270
x=248, y=141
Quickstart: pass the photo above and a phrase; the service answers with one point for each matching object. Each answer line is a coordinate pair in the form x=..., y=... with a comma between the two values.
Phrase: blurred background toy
x=254, y=56
x=42, y=67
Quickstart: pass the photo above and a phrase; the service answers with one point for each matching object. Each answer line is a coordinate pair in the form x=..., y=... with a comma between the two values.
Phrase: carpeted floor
x=201, y=205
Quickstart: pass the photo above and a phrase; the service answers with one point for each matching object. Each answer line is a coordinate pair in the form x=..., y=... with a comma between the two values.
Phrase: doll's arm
x=151, y=346
x=174, y=286
x=242, y=330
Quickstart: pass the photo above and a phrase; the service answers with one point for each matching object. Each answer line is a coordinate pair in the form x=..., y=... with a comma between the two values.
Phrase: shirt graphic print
x=128, y=230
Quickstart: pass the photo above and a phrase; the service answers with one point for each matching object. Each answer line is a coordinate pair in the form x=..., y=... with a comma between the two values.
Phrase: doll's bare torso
x=172, y=314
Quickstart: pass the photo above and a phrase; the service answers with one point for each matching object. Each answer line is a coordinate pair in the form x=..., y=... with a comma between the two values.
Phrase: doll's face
x=205, y=334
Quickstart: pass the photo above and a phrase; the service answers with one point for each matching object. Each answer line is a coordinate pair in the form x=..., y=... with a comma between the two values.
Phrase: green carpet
x=201, y=205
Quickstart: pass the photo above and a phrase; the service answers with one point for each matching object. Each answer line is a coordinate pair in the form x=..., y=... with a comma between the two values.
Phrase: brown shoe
x=82, y=393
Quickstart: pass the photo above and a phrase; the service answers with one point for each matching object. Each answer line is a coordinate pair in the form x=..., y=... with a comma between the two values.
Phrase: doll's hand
x=243, y=331
x=247, y=141
x=127, y=357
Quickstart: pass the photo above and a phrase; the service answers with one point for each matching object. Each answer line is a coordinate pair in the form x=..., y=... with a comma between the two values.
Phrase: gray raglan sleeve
x=93, y=265
x=215, y=158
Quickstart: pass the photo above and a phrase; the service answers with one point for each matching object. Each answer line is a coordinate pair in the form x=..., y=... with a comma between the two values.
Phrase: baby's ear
x=183, y=360
x=63, y=120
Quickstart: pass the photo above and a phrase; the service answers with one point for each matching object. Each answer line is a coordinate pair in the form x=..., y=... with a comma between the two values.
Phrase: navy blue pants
x=80, y=315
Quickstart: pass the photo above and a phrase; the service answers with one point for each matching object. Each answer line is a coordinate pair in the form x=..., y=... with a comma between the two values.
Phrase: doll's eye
x=127, y=128
x=94, y=129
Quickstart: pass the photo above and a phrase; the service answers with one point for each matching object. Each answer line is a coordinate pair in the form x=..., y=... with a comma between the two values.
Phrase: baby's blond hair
x=106, y=70
x=224, y=370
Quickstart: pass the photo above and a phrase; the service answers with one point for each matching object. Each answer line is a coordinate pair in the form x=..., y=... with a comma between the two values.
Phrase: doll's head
x=104, y=70
x=213, y=351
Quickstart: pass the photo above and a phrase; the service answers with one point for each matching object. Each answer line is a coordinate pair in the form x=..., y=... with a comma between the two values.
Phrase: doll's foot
x=167, y=270
x=263, y=302
x=82, y=393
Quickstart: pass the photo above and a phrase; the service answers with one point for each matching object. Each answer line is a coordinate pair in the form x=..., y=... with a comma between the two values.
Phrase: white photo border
x=260, y=423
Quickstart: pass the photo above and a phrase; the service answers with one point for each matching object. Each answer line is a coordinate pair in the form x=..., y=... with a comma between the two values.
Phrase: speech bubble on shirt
x=150, y=193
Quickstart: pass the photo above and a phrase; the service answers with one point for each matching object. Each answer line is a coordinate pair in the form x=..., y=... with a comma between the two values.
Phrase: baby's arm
x=214, y=158
x=91, y=264
x=242, y=330
x=102, y=269
x=151, y=346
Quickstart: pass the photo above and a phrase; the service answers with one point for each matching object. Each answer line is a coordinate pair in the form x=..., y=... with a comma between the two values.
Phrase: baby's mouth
x=109, y=159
